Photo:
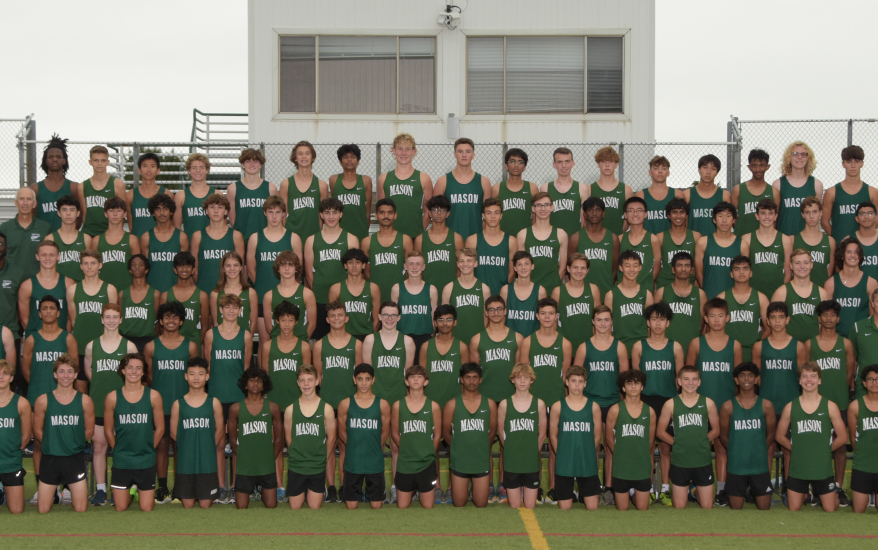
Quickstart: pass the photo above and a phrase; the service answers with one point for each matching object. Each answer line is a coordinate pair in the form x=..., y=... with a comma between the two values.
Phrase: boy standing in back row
x=465, y=188
x=613, y=192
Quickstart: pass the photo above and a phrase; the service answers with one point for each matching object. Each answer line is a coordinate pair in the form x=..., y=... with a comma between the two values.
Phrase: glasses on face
x=801, y=154
x=866, y=213
x=543, y=205
x=439, y=210
x=496, y=309
x=515, y=162
x=872, y=380
x=388, y=315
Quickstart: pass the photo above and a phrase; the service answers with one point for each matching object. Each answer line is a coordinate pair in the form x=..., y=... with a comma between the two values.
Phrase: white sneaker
x=66, y=497
x=35, y=500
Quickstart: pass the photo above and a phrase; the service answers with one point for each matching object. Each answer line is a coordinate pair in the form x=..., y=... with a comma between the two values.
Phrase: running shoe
x=230, y=496
x=440, y=496
x=843, y=499
x=665, y=498
x=502, y=497
x=281, y=494
x=162, y=496
x=99, y=498
x=608, y=498
x=550, y=497
x=872, y=500
x=331, y=494
x=63, y=497
x=539, y=495
x=721, y=499
x=492, y=494
x=448, y=499
x=2, y=496
x=222, y=496
x=35, y=500
x=393, y=494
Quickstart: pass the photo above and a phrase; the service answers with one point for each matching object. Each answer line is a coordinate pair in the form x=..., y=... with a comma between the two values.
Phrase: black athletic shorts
x=13, y=479
x=260, y=314
x=125, y=478
x=759, y=484
x=246, y=484
x=861, y=482
x=63, y=470
x=470, y=476
x=299, y=483
x=625, y=485
x=423, y=481
x=321, y=328
x=588, y=486
x=512, y=480
x=167, y=433
x=683, y=477
x=81, y=374
x=226, y=407
x=656, y=403
x=99, y=421
x=818, y=486
x=844, y=417
x=420, y=340
x=604, y=412
x=197, y=486
x=139, y=341
x=360, y=337
x=352, y=487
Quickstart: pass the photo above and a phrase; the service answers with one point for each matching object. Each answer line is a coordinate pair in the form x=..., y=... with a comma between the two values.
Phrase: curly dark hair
x=255, y=372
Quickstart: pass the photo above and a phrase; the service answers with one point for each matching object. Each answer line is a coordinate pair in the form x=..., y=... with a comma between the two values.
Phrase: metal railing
x=218, y=127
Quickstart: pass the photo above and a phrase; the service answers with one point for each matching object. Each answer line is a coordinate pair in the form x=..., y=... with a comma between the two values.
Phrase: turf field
x=445, y=526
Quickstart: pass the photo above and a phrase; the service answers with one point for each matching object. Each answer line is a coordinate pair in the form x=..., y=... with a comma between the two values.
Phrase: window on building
x=544, y=74
x=357, y=74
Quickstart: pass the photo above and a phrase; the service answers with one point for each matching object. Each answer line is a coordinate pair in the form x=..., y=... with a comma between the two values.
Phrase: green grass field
x=445, y=526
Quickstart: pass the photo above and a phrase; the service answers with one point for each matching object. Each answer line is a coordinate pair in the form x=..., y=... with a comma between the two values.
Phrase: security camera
x=450, y=19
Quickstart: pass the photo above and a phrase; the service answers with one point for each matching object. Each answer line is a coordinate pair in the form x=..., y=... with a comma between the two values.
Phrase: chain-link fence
x=825, y=137
x=13, y=158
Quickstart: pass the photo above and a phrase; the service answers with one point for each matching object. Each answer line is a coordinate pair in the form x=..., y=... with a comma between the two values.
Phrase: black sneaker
x=162, y=496
x=722, y=498
x=331, y=494
x=843, y=499
x=540, y=495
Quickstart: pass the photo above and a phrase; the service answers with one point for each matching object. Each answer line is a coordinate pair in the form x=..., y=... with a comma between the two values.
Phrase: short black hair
x=349, y=148
x=739, y=260
x=710, y=159
x=439, y=201
x=662, y=309
x=331, y=203
x=255, y=372
x=515, y=152
x=633, y=200
x=592, y=202
x=173, y=308
x=139, y=257
x=149, y=156
x=676, y=204
x=724, y=206
x=443, y=310
x=354, y=254
x=866, y=204
x=854, y=152
x=630, y=255
x=828, y=305
x=625, y=376
x=682, y=255
x=364, y=367
x=50, y=298
x=160, y=199
x=287, y=308
x=184, y=258
x=385, y=202
x=746, y=366
x=757, y=154
x=777, y=306
x=68, y=200
x=199, y=362
x=467, y=368
x=866, y=371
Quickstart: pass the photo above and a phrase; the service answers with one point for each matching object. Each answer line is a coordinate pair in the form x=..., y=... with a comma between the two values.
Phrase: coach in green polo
x=24, y=233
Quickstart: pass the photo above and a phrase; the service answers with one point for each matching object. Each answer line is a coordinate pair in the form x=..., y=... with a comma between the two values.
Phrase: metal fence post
x=377, y=162
x=503, y=170
x=262, y=170
x=22, y=164
x=135, y=156
x=621, y=161
x=850, y=132
x=32, y=152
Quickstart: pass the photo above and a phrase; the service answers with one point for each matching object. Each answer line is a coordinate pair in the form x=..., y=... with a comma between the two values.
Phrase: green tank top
x=59, y=291
x=686, y=324
x=196, y=443
x=844, y=210
x=669, y=250
x=780, y=373
x=854, y=303
x=134, y=428
x=210, y=257
x=246, y=308
x=64, y=427
x=833, y=372
x=656, y=217
x=389, y=364
x=226, y=366
x=284, y=371
x=443, y=369
x=47, y=209
x=747, y=201
x=387, y=264
x=601, y=271
x=68, y=256
x=161, y=274
x=266, y=253
x=866, y=452
x=789, y=216
x=629, y=325
x=87, y=325
x=768, y=264
x=470, y=446
x=307, y=452
x=613, y=201
x=142, y=220
x=338, y=371
x=497, y=360
x=191, y=327
x=441, y=262
x=255, y=441
x=521, y=315
x=249, y=217
x=364, y=438
x=602, y=367
x=717, y=266
x=660, y=368
x=194, y=217
x=297, y=299
x=328, y=268
x=138, y=318
x=470, y=306
x=691, y=447
x=576, y=454
x=632, y=448
x=10, y=437
x=304, y=219
x=870, y=262
x=105, y=372
x=358, y=308
x=516, y=208
x=45, y=353
x=717, y=380
x=568, y=207
x=114, y=260
x=803, y=323
x=355, y=219
x=408, y=195
x=548, y=364
x=822, y=260
x=168, y=372
x=416, y=451
x=416, y=311
x=747, y=433
x=466, y=199
x=547, y=255
x=811, y=442
x=95, y=222
x=575, y=314
x=521, y=451
x=701, y=210
x=647, y=258
x=493, y=267
x=744, y=321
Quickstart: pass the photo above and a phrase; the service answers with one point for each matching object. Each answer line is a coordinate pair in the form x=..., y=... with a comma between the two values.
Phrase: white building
x=551, y=71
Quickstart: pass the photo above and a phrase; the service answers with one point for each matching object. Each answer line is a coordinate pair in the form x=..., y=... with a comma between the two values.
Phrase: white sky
x=125, y=70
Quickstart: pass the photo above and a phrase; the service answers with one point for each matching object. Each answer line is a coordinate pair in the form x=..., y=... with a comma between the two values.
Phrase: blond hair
x=799, y=252
x=404, y=138
x=468, y=251
x=197, y=157
x=522, y=369
x=787, y=164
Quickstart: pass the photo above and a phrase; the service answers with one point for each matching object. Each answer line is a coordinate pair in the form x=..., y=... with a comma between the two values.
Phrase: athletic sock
x=666, y=487
x=720, y=486
x=163, y=483
x=102, y=487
